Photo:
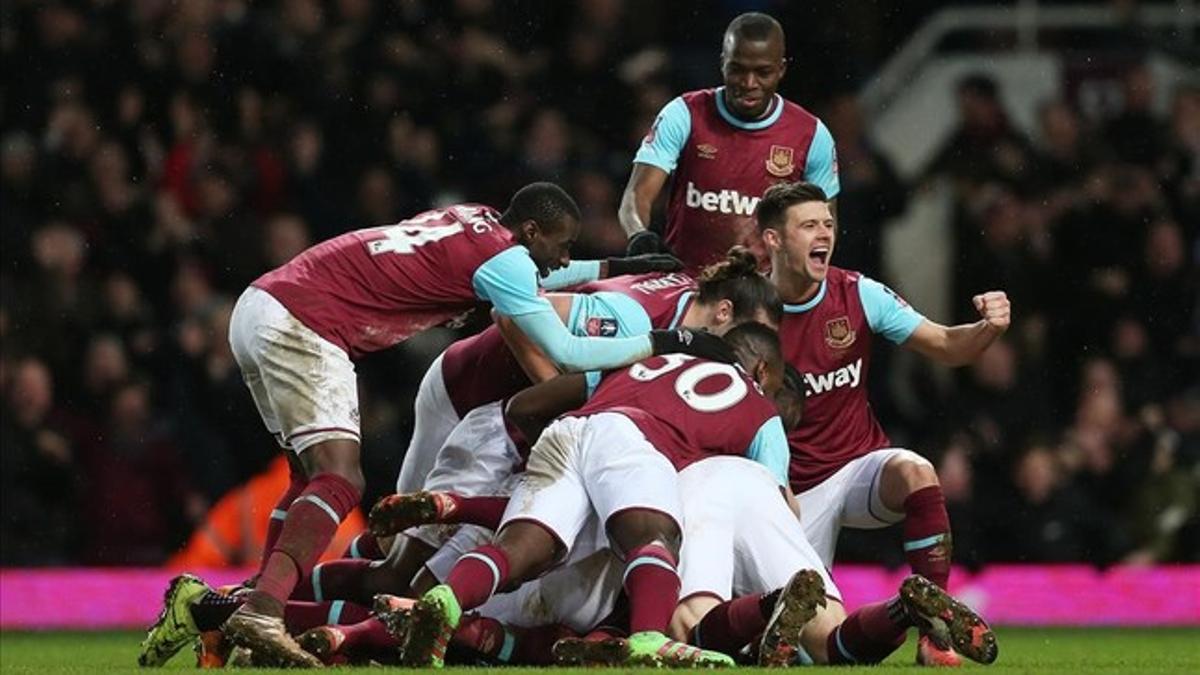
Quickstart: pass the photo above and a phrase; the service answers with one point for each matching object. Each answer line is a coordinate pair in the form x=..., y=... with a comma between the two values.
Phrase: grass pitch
x=1022, y=650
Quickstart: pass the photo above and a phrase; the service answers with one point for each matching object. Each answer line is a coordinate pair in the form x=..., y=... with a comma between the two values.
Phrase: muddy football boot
x=397, y=513
x=431, y=625
x=175, y=628
x=948, y=623
x=268, y=639
x=798, y=603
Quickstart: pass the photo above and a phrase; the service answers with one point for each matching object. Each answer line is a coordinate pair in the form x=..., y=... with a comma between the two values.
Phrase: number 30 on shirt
x=688, y=380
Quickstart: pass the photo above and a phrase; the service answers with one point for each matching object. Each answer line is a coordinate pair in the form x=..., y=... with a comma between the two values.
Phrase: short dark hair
x=737, y=279
x=753, y=340
x=754, y=26
x=544, y=203
x=789, y=400
x=772, y=208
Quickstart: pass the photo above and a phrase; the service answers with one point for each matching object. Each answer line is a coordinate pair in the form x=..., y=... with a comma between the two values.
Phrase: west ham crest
x=838, y=333
x=781, y=161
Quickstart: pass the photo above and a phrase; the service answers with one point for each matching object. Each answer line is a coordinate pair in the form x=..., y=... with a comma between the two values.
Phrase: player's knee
x=338, y=457
x=913, y=471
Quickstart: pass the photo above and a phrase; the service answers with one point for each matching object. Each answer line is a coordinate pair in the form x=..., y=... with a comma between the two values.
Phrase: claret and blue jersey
x=722, y=165
x=828, y=340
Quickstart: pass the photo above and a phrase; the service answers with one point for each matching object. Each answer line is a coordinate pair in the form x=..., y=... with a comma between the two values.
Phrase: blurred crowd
x=157, y=156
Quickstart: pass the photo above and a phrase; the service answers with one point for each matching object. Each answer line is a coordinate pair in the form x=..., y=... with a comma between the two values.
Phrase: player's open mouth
x=819, y=255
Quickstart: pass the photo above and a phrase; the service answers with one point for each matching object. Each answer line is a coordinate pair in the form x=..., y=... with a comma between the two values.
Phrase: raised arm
x=962, y=344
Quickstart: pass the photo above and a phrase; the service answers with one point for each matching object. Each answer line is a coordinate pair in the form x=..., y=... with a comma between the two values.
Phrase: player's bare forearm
x=966, y=342
x=534, y=408
x=962, y=344
x=953, y=345
x=645, y=184
x=537, y=366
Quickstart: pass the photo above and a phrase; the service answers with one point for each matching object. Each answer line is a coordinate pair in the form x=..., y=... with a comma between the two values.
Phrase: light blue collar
x=681, y=308
x=749, y=126
x=805, y=306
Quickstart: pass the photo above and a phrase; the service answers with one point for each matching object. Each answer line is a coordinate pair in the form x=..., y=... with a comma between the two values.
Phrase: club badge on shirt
x=781, y=162
x=597, y=327
x=838, y=333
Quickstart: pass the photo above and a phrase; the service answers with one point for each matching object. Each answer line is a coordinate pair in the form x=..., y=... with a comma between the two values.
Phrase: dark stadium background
x=156, y=157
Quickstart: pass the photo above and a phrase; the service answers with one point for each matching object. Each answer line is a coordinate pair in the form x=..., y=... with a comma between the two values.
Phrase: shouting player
x=295, y=330
x=616, y=458
x=724, y=147
x=844, y=469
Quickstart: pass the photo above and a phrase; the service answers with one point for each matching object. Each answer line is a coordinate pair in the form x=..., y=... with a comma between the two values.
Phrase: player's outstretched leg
x=948, y=622
x=399, y=512
x=796, y=606
x=175, y=628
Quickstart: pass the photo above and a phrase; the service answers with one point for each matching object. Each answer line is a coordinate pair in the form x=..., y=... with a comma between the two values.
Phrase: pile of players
x=643, y=461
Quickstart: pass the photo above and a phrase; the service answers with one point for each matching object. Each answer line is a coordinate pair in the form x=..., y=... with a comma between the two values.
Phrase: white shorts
x=849, y=497
x=599, y=464
x=434, y=418
x=739, y=535
x=303, y=385
x=477, y=458
x=581, y=593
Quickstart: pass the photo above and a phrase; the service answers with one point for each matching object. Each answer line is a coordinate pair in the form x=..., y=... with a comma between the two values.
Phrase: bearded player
x=844, y=469
x=296, y=329
x=724, y=147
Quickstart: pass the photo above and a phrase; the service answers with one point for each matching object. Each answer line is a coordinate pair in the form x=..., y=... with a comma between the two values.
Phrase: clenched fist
x=993, y=306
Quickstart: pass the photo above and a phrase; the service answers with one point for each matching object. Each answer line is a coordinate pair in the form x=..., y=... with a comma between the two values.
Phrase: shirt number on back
x=407, y=236
x=690, y=379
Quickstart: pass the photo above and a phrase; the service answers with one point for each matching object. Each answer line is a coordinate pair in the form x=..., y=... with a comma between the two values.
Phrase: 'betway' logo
x=848, y=375
x=725, y=201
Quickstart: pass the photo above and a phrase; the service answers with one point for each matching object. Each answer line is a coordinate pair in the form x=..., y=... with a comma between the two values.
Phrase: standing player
x=296, y=329
x=844, y=469
x=725, y=146
x=617, y=457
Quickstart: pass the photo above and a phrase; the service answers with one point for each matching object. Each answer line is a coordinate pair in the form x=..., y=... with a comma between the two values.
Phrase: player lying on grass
x=617, y=457
x=296, y=329
x=481, y=370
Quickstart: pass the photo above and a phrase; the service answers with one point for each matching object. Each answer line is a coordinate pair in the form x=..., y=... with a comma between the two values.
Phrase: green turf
x=1022, y=650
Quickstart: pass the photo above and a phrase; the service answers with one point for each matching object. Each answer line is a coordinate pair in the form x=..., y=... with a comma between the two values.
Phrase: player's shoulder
x=482, y=226
x=702, y=100
x=796, y=111
x=840, y=276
